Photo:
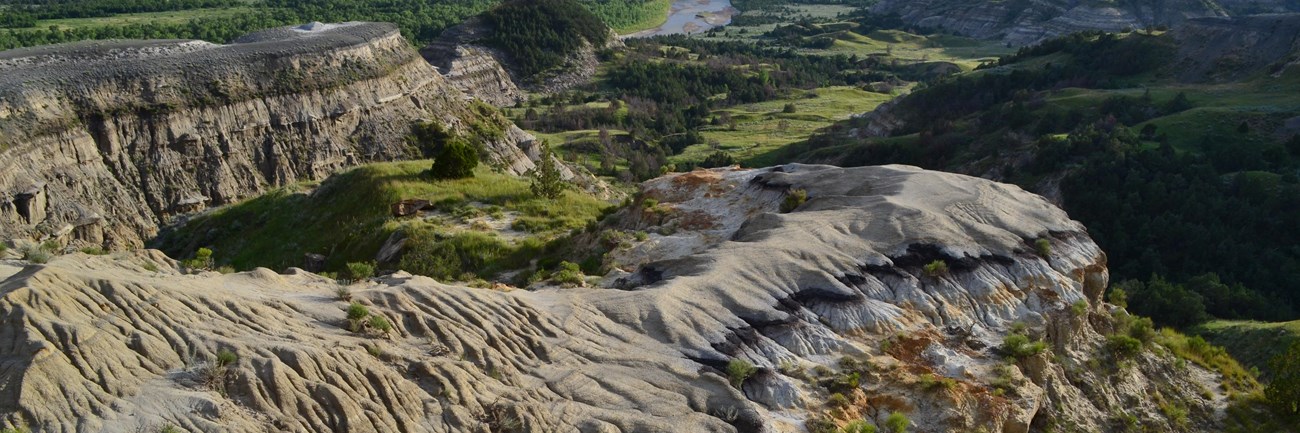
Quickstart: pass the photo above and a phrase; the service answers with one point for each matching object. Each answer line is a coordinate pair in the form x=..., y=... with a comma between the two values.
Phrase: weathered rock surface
x=102, y=142
x=1029, y=21
x=108, y=344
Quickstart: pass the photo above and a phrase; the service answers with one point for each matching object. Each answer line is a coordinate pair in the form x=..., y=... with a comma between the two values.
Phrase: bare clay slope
x=105, y=344
x=101, y=142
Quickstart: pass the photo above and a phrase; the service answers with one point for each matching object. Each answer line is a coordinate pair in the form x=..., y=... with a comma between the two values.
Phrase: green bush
x=936, y=268
x=568, y=274
x=357, y=313
x=837, y=400
x=1019, y=346
x=1283, y=390
x=897, y=422
x=844, y=382
x=94, y=251
x=1043, y=247
x=457, y=160
x=361, y=270
x=225, y=357
x=1080, y=307
x=858, y=426
x=739, y=370
x=380, y=323
x=202, y=260
x=1123, y=346
x=793, y=200
x=789, y=108
x=36, y=254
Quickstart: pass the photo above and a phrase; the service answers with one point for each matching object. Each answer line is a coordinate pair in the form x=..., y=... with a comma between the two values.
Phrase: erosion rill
x=103, y=142
x=844, y=284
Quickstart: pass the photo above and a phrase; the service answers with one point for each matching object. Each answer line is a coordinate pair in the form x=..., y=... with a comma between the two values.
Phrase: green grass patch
x=347, y=217
x=1253, y=343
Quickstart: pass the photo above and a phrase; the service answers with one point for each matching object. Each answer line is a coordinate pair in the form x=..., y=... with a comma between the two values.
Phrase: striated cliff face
x=107, y=344
x=1026, y=22
x=483, y=72
x=102, y=142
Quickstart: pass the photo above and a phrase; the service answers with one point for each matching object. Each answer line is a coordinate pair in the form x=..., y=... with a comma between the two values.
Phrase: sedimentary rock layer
x=101, y=142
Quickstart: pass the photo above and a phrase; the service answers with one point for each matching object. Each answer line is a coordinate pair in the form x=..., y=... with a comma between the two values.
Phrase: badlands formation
x=833, y=295
x=104, y=142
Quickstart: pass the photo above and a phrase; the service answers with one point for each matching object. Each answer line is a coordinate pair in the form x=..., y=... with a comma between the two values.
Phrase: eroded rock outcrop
x=102, y=142
x=1028, y=22
x=464, y=57
x=109, y=343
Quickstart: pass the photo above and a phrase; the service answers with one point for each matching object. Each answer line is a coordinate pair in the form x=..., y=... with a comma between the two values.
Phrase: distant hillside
x=1022, y=22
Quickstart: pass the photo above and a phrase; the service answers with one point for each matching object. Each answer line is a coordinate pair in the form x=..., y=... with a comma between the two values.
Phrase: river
x=692, y=16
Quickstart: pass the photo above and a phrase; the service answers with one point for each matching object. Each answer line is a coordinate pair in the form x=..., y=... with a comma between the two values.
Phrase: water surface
x=692, y=16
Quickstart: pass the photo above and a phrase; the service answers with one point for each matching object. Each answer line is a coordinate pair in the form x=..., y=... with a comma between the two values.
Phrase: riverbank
x=690, y=17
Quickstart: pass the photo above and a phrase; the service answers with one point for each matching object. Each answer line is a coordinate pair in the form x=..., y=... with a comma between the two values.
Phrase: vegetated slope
x=1253, y=343
x=1172, y=178
x=1007, y=332
x=103, y=142
x=347, y=218
x=1027, y=22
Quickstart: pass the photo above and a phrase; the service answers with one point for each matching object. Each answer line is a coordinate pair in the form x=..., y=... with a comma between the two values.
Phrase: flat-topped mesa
x=841, y=285
x=126, y=135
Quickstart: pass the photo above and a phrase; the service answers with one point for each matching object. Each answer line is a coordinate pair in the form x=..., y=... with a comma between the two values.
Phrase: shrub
x=356, y=314
x=343, y=294
x=202, y=260
x=360, y=270
x=1284, y=390
x=36, y=254
x=457, y=160
x=739, y=370
x=789, y=108
x=1043, y=247
x=381, y=324
x=820, y=424
x=837, y=400
x=793, y=200
x=845, y=382
x=1019, y=346
x=936, y=268
x=718, y=159
x=858, y=426
x=569, y=274
x=1123, y=346
x=94, y=251
x=897, y=422
x=169, y=429
x=225, y=357
x=1080, y=307
x=1117, y=296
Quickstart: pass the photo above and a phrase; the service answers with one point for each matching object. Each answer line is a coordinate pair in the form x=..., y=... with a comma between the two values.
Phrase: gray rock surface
x=140, y=132
x=110, y=343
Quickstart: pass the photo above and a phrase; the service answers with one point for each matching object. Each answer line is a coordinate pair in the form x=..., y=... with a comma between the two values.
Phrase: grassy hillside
x=1253, y=343
x=347, y=218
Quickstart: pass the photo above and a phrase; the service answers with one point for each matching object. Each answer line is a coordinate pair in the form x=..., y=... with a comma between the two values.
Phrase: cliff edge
x=103, y=142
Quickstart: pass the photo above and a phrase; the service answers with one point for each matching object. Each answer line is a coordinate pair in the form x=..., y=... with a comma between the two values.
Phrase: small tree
x=1284, y=390
x=547, y=181
x=897, y=422
x=456, y=160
